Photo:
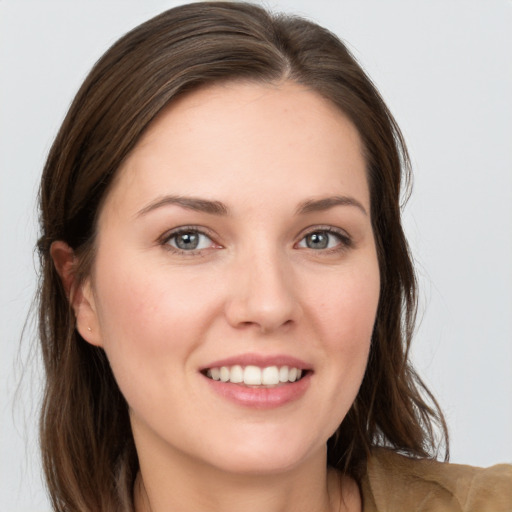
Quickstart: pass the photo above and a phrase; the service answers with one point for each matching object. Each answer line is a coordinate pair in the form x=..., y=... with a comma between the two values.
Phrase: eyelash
x=167, y=237
x=345, y=242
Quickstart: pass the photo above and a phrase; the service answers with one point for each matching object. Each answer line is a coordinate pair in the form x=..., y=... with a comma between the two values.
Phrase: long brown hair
x=88, y=451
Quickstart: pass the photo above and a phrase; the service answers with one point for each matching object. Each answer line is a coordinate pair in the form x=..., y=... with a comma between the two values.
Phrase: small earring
x=89, y=329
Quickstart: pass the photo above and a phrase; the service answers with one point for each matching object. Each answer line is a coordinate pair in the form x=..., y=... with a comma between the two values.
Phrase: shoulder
x=395, y=483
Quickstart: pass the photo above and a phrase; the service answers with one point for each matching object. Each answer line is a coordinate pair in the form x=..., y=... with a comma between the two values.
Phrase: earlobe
x=80, y=296
x=84, y=306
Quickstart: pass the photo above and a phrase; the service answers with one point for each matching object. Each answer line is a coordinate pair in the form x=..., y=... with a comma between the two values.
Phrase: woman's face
x=236, y=244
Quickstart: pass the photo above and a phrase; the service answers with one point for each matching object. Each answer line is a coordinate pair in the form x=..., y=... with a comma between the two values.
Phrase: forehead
x=240, y=141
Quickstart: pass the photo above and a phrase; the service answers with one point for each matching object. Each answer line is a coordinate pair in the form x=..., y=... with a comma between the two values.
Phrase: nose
x=262, y=293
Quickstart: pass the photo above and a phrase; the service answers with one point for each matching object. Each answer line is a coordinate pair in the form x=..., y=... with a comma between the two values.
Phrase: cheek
x=137, y=302
x=150, y=321
x=150, y=326
x=347, y=306
x=345, y=316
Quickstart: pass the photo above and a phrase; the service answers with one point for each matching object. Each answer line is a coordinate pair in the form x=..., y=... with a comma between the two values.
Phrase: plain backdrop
x=445, y=69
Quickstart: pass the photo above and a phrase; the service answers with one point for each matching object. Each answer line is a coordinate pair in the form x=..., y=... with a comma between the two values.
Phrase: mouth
x=256, y=376
x=259, y=381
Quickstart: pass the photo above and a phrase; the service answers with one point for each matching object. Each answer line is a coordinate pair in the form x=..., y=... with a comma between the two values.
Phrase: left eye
x=189, y=241
x=321, y=240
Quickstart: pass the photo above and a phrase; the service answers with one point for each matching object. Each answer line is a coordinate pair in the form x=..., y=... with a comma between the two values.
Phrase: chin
x=262, y=455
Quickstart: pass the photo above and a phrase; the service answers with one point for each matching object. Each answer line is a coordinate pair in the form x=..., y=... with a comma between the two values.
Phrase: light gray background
x=445, y=69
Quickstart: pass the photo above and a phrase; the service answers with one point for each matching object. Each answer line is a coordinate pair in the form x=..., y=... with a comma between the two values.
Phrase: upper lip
x=260, y=360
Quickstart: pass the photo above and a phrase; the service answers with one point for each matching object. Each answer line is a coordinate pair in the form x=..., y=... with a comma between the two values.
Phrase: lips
x=259, y=381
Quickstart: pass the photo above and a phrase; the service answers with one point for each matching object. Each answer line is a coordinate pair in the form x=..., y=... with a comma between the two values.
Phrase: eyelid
x=201, y=230
x=345, y=239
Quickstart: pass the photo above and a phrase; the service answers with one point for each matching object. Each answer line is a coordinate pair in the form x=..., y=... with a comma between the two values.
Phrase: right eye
x=188, y=240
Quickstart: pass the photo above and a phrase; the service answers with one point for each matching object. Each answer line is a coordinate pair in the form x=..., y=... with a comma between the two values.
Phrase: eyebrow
x=319, y=205
x=219, y=208
x=189, y=203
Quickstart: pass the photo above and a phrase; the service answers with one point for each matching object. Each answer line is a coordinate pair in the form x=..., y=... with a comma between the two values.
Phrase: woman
x=227, y=298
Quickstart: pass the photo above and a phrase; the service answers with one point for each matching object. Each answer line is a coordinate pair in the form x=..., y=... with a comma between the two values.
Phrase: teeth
x=283, y=374
x=270, y=376
x=254, y=375
x=224, y=374
x=236, y=374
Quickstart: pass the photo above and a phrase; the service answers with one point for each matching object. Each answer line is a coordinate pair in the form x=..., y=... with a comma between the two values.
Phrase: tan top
x=398, y=484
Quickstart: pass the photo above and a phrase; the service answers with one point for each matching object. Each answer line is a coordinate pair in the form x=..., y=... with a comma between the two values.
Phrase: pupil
x=317, y=241
x=187, y=241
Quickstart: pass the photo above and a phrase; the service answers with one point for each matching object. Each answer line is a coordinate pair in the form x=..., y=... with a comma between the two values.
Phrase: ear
x=80, y=296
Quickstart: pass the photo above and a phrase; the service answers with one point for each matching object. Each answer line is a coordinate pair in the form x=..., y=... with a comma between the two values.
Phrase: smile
x=259, y=381
x=254, y=375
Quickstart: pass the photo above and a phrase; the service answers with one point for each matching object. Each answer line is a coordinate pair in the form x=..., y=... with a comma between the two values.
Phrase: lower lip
x=259, y=397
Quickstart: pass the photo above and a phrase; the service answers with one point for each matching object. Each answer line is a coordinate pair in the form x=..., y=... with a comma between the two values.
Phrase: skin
x=253, y=286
